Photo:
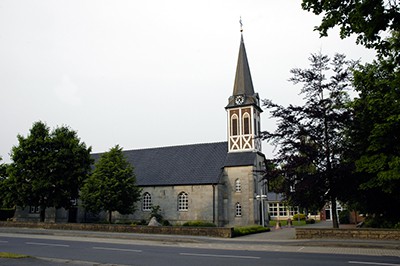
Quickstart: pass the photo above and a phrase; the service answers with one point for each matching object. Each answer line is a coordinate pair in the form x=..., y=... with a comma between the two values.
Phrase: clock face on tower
x=239, y=99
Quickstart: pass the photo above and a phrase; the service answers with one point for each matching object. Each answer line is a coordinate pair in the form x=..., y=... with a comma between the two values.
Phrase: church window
x=183, y=201
x=146, y=202
x=246, y=123
x=238, y=187
x=238, y=210
x=234, y=125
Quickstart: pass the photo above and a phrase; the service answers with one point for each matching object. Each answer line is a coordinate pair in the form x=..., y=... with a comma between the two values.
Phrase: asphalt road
x=87, y=251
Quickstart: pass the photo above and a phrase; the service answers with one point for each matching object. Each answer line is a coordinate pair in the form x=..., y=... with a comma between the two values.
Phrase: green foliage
x=156, y=212
x=310, y=221
x=373, y=136
x=310, y=137
x=6, y=213
x=112, y=186
x=344, y=217
x=199, y=224
x=368, y=19
x=299, y=216
x=247, y=230
x=3, y=186
x=48, y=168
x=379, y=222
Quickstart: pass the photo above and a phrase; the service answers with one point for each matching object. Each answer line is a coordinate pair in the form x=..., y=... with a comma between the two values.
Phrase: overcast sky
x=147, y=73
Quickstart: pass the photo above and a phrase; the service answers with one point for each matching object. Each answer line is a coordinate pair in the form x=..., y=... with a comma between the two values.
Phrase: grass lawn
x=7, y=255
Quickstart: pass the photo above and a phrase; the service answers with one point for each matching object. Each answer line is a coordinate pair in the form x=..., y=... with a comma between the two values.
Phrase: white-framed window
x=282, y=210
x=238, y=185
x=146, y=202
x=238, y=209
x=273, y=209
x=183, y=201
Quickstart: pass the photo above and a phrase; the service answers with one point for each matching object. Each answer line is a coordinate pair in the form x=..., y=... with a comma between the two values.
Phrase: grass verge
x=7, y=255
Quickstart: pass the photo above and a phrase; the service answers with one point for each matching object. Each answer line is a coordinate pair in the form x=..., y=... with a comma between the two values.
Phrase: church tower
x=243, y=109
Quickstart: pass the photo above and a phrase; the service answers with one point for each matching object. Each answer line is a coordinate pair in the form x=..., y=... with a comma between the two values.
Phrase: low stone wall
x=169, y=230
x=356, y=233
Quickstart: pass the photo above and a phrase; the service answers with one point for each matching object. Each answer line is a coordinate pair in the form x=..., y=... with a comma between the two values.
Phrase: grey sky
x=147, y=73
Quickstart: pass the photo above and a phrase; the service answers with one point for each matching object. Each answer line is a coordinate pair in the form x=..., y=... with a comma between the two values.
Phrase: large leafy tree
x=310, y=137
x=112, y=186
x=48, y=168
x=374, y=145
x=3, y=188
x=375, y=141
x=367, y=19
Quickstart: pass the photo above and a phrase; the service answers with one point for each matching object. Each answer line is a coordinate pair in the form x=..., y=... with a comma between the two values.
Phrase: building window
x=238, y=187
x=282, y=210
x=238, y=210
x=234, y=125
x=246, y=124
x=34, y=209
x=183, y=201
x=146, y=202
x=273, y=209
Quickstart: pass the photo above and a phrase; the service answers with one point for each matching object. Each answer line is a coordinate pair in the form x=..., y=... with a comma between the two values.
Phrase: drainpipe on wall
x=213, y=186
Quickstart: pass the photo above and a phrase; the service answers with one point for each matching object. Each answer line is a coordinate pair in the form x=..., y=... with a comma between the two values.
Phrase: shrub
x=378, y=222
x=6, y=214
x=310, y=221
x=247, y=230
x=156, y=212
x=344, y=217
x=199, y=224
x=299, y=216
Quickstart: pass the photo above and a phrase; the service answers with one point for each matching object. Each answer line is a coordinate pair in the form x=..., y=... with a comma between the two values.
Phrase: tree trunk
x=42, y=214
x=335, y=220
x=109, y=216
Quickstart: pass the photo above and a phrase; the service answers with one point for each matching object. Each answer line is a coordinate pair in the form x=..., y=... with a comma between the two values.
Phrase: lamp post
x=262, y=198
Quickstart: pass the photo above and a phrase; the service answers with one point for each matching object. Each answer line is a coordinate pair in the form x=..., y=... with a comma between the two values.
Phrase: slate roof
x=194, y=164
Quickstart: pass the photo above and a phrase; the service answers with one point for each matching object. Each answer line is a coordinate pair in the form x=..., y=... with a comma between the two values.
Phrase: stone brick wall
x=168, y=230
x=356, y=233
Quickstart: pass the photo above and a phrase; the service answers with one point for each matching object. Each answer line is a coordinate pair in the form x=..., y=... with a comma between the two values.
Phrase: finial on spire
x=241, y=24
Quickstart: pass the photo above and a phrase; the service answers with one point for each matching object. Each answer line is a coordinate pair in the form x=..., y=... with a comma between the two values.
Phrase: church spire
x=243, y=83
x=243, y=91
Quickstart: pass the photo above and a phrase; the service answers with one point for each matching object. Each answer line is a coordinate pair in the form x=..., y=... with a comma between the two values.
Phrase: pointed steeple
x=243, y=91
x=243, y=83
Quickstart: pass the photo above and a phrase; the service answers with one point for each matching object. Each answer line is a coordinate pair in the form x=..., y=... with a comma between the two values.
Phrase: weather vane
x=241, y=24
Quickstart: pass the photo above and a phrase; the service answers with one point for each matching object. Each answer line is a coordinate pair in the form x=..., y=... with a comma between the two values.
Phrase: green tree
x=373, y=143
x=310, y=137
x=48, y=168
x=370, y=20
x=3, y=188
x=375, y=139
x=112, y=186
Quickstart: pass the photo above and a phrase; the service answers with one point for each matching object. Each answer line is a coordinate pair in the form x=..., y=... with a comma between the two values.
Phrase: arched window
x=238, y=210
x=238, y=187
x=146, y=202
x=246, y=123
x=183, y=201
x=234, y=125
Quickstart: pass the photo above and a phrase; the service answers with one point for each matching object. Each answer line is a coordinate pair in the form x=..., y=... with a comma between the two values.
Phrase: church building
x=213, y=182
